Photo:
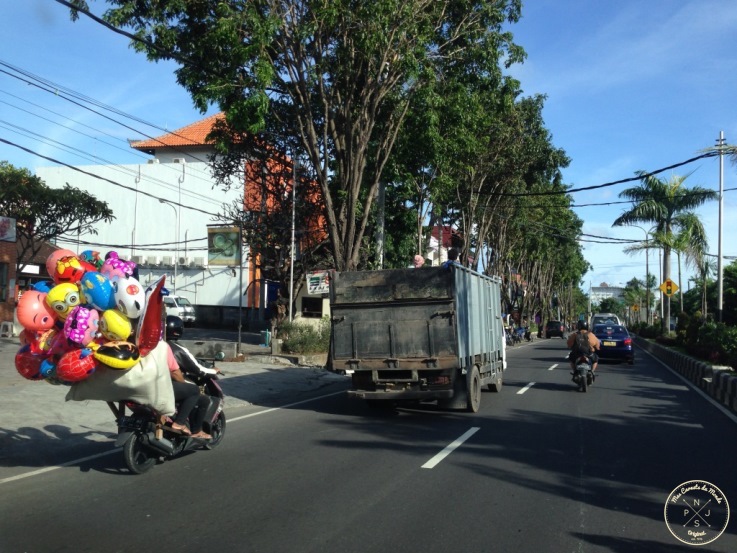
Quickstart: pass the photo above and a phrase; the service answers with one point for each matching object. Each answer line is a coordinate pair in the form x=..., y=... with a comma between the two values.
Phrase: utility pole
x=720, y=275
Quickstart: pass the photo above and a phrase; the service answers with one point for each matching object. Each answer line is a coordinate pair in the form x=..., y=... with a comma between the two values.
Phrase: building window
x=3, y=282
x=312, y=307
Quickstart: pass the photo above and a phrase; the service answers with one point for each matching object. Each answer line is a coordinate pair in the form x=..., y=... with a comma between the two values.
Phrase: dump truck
x=416, y=335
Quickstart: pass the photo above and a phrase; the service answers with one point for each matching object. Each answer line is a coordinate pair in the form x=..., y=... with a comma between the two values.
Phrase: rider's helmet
x=582, y=325
x=174, y=327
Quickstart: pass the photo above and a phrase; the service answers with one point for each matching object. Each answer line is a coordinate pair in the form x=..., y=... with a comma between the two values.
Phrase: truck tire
x=460, y=399
x=496, y=386
x=474, y=391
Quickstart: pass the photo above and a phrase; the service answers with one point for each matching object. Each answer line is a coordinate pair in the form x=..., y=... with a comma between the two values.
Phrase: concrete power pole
x=720, y=275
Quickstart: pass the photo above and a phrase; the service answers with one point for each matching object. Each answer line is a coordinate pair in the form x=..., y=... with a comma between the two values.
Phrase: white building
x=162, y=211
x=599, y=293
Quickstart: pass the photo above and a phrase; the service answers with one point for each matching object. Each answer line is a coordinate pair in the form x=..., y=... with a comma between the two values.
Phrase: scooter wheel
x=217, y=431
x=138, y=458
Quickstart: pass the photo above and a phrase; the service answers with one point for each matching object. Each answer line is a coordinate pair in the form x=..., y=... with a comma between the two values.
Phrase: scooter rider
x=593, y=341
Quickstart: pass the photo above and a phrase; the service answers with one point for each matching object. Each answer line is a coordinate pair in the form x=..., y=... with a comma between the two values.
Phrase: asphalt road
x=541, y=467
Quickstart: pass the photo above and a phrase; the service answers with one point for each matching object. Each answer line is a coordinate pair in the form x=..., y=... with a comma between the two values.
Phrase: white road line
x=551, y=368
x=117, y=450
x=450, y=448
x=523, y=390
x=283, y=407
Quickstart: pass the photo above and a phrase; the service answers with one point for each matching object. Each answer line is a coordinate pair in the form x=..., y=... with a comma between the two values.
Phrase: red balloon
x=151, y=322
x=28, y=364
x=71, y=269
x=76, y=365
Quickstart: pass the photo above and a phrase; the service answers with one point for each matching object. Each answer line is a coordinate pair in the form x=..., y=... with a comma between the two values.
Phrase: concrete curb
x=718, y=381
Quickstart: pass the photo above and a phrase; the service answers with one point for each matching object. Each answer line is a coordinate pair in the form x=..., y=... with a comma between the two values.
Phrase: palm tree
x=691, y=242
x=664, y=204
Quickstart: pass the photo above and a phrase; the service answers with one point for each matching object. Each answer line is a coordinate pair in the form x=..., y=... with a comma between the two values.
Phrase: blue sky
x=631, y=85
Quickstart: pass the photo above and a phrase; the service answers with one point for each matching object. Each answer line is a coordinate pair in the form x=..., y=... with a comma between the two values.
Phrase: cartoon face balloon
x=116, y=268
x=71, y=269
x=129, y=296
x=33, y=311
x=115, y=326
x=54, y=258
x=97, y=291
x=81, y=325
x=92, y=257
x=118, y=355
x=76, y=365
x=63, y=298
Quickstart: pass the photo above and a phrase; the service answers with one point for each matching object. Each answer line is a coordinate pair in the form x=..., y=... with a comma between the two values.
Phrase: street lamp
x=176, y=241
x=647, y=272
x=291, y=250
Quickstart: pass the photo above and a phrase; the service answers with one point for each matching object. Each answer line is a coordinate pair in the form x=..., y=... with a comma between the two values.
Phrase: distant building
x=604, y=291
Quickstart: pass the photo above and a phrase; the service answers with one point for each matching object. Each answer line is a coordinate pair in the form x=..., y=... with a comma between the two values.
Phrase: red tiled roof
x=191, y=135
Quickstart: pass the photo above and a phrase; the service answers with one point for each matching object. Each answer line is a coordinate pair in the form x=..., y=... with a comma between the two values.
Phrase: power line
x=171, y=202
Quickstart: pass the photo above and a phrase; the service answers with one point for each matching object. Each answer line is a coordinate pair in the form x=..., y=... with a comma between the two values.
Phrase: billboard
x=318, y=282
x=223, y=246
x=7, y=229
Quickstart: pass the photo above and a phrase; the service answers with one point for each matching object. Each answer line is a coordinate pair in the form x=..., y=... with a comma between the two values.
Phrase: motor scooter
x=145, y=437
x=583, y=374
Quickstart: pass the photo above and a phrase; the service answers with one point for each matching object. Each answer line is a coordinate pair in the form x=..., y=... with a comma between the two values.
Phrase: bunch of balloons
x=82, y=319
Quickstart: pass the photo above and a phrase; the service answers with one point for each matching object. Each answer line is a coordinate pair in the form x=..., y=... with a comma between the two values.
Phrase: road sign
x=635, y=307
x=669, y=287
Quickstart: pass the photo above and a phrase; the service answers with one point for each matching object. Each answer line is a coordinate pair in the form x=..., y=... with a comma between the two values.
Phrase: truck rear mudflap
x=399, y=395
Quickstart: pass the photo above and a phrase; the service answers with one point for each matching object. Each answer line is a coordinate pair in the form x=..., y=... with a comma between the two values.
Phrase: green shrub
x=305, y=338
x=717, y=343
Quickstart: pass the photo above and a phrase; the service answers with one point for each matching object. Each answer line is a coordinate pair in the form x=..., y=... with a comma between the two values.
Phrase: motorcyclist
x=594, y=345
x=192, y=405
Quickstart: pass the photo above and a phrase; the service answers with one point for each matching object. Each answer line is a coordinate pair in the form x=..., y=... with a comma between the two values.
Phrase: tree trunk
x=665, y=323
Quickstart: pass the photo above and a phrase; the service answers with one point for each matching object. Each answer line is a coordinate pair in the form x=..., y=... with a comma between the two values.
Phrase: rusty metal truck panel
x=413, y=333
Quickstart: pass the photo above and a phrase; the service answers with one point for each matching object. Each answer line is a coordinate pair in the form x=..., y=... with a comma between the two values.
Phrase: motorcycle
x=146, y=439
x=509, y=336
x=583, y=374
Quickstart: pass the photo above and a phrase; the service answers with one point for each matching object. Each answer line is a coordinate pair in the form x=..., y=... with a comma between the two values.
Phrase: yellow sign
x=669, y=287
x=635, y=307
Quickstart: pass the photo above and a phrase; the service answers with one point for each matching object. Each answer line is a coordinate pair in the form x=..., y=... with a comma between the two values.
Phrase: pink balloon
x=55, y=256
x=33, y=311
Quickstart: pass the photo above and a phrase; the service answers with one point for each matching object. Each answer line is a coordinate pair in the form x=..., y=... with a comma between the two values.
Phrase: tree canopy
x=329, y=82
x=668, y=205
x=42, y=213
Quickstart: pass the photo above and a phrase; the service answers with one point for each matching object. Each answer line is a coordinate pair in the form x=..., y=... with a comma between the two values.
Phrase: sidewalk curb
x=718, y=381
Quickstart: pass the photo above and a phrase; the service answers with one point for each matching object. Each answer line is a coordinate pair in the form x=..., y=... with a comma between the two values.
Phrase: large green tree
x=43, y=214
x=331, y=81
x=668, y=205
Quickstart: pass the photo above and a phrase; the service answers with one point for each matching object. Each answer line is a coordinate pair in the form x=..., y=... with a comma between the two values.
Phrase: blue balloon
x=43, y=286
x=97, y=291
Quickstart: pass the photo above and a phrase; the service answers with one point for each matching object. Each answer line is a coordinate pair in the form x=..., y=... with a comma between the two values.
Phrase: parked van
x=604, y=318
x=179, y=306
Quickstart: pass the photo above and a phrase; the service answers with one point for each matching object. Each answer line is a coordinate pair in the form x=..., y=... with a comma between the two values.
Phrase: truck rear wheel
x=496, y=386
x=474, y=391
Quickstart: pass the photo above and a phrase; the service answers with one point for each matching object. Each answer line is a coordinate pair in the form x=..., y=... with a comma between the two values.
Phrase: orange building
x=266, y=185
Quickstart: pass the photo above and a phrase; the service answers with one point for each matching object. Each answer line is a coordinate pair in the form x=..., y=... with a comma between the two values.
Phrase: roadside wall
x=720, y=382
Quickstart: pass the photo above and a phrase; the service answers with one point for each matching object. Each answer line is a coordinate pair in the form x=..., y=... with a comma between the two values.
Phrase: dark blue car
x=616, y=343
